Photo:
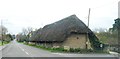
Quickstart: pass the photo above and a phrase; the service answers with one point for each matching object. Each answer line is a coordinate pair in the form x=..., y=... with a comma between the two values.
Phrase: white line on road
x=27, y=53
x=24, y=50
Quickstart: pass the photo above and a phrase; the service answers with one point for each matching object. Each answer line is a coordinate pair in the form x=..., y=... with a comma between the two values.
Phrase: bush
x=71, y=50
x=78, y=50
x=4, y=42
x=58, y=49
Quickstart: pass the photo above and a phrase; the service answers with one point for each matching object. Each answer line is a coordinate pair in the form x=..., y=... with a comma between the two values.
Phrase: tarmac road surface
x=17, y=50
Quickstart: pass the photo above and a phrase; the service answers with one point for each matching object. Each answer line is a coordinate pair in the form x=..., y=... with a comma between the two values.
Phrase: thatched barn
x=69, y=32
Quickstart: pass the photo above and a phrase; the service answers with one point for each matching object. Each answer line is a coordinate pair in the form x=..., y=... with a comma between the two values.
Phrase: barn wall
x=76, y=41
x=73, y=41
x=56, y=45
x=45, y=44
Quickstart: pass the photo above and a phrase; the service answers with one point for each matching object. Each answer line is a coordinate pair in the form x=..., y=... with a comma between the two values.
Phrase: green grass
x=83, y=51
x=4, y=42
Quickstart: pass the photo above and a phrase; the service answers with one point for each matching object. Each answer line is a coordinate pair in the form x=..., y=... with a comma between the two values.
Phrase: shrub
x=71, y=50
x=58, y=49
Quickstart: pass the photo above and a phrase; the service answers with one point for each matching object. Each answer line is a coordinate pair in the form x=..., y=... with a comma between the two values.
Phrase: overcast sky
x=19, y=14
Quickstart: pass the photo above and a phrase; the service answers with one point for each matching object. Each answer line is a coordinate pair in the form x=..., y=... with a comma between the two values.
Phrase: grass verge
x=71, y=50
x=4, y=42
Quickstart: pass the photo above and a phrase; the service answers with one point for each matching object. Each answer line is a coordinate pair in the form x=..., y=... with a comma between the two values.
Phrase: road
x=15, y=49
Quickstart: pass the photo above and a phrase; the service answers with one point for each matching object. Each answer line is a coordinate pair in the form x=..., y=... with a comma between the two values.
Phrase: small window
x=77, y=37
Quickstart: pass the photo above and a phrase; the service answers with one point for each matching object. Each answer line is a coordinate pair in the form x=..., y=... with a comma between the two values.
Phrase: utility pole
x=1, y=32
x=88, y=29
x=89, y=17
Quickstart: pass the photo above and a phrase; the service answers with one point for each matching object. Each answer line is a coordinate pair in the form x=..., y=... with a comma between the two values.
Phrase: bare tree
x=26, y=31
x=100, y=30
x=3, y=30
x=29, y=29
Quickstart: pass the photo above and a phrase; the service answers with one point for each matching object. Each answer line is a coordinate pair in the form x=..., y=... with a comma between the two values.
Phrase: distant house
x=69, y=32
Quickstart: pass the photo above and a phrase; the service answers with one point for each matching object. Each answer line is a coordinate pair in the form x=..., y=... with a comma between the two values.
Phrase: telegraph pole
x=88, y=29
x=1, y=32
x=89, y=17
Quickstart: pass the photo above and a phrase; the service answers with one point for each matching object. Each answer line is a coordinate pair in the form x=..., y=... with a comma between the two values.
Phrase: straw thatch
x=60, y=30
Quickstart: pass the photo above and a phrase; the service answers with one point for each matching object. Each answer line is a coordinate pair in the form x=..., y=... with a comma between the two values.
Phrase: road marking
x=19, y=47
x=27, y=53
x=24, y=50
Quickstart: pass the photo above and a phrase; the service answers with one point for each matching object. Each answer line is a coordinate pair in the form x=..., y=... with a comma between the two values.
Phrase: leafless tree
x=3, y=30
x=26, y=31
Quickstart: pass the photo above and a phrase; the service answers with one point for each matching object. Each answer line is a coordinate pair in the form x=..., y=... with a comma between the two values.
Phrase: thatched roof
x=60, y=30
